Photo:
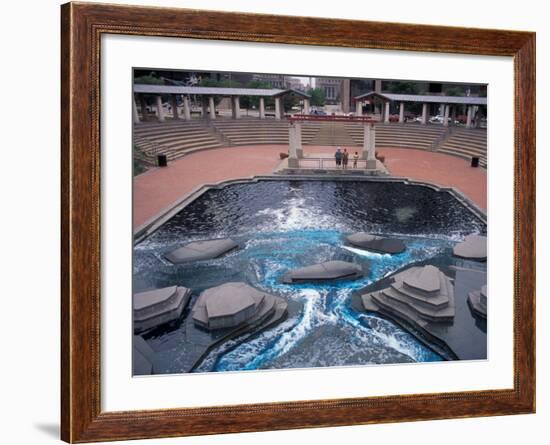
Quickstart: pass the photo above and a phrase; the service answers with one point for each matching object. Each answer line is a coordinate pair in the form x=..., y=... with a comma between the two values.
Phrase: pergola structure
x=295, y=149
x=209, y=105
x=473, y=105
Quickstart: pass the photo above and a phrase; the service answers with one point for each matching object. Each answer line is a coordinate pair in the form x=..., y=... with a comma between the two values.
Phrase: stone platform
x=449, y=328
x=376, y=243
x=201, y=250
x=159, y=306
x=197, y=337
x=478, y=302
x=474, y=247
x=330, y=270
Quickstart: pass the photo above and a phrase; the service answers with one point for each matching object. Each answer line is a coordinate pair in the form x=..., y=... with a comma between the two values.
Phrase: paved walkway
x=159, y=188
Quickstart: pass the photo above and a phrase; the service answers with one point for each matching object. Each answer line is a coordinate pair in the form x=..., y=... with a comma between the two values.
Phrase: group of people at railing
x=342, y=158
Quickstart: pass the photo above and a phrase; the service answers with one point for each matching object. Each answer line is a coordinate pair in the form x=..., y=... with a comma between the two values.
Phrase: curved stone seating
x=330, y=270
x=474, y=247
x=478, y=302
x=201, y=250
x=417, y=294
x=230, y=305
x=467, y=143
x=155, y=307
x=376, y=243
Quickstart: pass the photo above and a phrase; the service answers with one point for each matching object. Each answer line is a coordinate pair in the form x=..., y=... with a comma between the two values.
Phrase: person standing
x=355, y=159
x=338, y=157
x=345, y=158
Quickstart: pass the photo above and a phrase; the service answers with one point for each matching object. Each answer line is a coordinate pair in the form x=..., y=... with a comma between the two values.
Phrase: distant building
x=275, y=80
x=331, y=87
x=293, y=83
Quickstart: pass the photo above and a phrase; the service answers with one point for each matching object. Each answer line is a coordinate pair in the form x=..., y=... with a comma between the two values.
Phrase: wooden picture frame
x=82, y=26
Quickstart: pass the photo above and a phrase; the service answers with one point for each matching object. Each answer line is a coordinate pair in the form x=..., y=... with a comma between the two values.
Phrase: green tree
x=318, y=97
x=149, y=79
x=402, y=87
x=254, y=101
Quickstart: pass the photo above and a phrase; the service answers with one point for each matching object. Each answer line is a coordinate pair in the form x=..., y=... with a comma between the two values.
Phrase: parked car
x=439, y=120
x=394, y=118
x=318, y=113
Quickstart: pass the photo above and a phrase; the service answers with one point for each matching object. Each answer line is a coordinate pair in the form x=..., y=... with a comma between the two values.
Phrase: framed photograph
x=276, y=222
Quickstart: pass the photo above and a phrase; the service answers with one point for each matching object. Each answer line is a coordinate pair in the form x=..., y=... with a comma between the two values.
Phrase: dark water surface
x=286, y=224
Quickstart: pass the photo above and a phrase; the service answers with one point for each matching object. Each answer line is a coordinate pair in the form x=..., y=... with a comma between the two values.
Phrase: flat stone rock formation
x=474, y=247
x=418, y=294
x=202, y=334
x=478, y=301
x=376, y=243
x=330, y=270
x=159, y=306
x=201, y=250
x=429, y=305
x=230, y=305
x=143, y=357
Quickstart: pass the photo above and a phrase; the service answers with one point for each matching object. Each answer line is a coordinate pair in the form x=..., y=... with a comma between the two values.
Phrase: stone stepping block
x=159, y=306
x=228, y=305
x=376, y=243
x=201, y=250
x=425, y=279
x=143, y=357
x=478, y=302
x=474, y=247
x=330, y=270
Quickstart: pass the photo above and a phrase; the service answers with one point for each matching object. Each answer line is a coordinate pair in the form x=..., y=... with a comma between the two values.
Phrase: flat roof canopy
x=215, y=91
x=424, y=98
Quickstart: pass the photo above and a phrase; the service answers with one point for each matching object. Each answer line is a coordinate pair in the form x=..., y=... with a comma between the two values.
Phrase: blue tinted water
x=288, y=224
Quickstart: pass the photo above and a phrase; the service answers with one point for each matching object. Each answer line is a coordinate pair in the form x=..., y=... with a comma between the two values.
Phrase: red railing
x=330, y=163
x=313, y=117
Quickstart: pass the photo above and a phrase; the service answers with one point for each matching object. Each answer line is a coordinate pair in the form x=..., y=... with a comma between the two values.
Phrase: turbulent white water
x=284, y=225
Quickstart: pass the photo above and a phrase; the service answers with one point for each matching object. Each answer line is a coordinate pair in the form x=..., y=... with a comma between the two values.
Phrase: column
x=186, y=108
x=307, y=106
x=143, y=107
x=358, y=108
x=174, y=100
x=424, y=114
x=160, y=111
x=278, y=108
x=401, y=112
x=212, y=106
x=367, y=128
x=262, y=108
x=298, y=141
x=292, y=155
x=371, y=156
x=386, y=112
x=236, y=108
x=135, y=110
x=345, y=95
x=453, y=114
x=469, y=117
x=446, y=116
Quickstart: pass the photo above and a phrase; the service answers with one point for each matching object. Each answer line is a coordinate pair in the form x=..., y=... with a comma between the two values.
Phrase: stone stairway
x=255, y=131
x=399, y=136
x=174, y=138
x=466, y=143
x=333, y=134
